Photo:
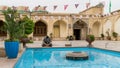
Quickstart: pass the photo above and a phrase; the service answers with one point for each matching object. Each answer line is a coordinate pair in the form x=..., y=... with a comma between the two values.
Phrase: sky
x=115, y=4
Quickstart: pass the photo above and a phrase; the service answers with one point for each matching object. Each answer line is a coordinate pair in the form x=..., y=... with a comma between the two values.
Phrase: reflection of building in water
x=61, y=25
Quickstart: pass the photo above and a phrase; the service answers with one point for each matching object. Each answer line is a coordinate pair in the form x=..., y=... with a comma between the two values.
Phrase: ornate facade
x=61, y=25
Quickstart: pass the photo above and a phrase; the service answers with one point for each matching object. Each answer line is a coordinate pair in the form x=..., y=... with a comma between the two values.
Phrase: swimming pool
x=55, y=58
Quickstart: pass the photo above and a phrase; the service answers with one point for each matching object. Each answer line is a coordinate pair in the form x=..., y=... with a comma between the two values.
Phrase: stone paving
x=110, y=45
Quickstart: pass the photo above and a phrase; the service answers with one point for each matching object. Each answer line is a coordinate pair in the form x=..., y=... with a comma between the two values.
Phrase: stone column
x=49, y=28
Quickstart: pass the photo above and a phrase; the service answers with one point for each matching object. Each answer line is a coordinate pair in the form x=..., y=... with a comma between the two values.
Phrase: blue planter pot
x=11, y=49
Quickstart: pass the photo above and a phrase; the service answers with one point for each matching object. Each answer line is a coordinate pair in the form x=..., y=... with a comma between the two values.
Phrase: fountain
x=77, y=56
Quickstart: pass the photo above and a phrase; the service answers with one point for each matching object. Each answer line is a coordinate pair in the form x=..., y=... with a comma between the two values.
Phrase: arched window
x=40, y=29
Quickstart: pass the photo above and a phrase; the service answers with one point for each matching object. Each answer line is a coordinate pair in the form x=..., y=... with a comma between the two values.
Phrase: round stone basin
x=77, y=56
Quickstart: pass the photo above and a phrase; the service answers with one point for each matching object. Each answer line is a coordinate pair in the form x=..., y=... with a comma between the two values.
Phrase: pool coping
x=73, y=47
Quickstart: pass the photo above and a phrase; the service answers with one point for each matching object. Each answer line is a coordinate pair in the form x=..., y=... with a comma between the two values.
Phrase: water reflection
x=42, y=56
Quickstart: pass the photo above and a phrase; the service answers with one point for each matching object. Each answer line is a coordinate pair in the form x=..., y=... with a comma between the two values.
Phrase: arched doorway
x=96, y=29
x=40, y=29
x=107, y=27
x=80, y=30
x=2, y=33
x=59, y=29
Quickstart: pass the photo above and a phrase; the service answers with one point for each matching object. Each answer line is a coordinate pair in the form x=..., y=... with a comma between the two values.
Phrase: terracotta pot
x=24, y=41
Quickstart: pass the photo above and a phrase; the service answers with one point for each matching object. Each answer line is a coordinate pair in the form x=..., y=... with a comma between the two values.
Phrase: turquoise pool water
x=55, y=58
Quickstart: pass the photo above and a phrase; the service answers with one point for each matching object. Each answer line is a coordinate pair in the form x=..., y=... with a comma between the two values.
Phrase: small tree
x=28, y=29
x=11, y=24
x=28, y=25
x=115, y=35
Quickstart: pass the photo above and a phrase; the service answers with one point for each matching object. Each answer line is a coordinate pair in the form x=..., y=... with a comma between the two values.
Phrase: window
x=40, y=29
x=2, y=33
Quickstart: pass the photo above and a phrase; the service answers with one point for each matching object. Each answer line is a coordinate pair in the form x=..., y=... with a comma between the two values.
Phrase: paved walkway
x=110, y=45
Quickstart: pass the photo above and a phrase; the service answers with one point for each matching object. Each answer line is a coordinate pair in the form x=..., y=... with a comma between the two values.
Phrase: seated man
x=47, y=42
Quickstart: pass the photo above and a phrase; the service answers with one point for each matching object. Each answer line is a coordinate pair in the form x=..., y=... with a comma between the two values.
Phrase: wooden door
x=56, y=31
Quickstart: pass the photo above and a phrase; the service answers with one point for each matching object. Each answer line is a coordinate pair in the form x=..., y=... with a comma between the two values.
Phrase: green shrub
x=102, y=35
x=30, y=41
x=28, y=25
x=115, y=34
x=91, y=37
x=70, y=37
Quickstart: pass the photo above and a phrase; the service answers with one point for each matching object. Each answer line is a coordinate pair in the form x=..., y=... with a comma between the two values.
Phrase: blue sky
x=60, y=3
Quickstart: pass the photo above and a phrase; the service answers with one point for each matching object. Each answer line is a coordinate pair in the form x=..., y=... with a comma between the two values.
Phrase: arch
x=107, y=26
x=40, y=29
x=96, y=27
x=2, y=33
x=59, y=29
x=42, y=21
x=56, y=20
x=80, y=20
x=80, y=29
x=117, y=26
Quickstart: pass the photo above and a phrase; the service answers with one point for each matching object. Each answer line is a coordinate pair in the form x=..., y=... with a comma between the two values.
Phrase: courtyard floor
x=110, y=45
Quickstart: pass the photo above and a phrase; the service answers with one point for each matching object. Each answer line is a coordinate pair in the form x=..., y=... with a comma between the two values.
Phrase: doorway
x=77, y=34
x=56, y=31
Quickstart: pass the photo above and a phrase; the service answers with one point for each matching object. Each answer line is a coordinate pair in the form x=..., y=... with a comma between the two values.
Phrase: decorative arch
x=107, y=26
x=42, y=21
x=96, y=29
x=80, y=20
x=59, y=29
x=59, y=20
x=117, y=26
x=80, y=29
x=40, y=28
x=2, y=33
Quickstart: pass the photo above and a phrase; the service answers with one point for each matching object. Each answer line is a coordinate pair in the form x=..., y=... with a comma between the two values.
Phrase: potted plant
x=70, y=37
x=90, y=38
x=102, y=36
x=28, y=29
x=108, y=35
x=14, y=30
x=115, y=35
